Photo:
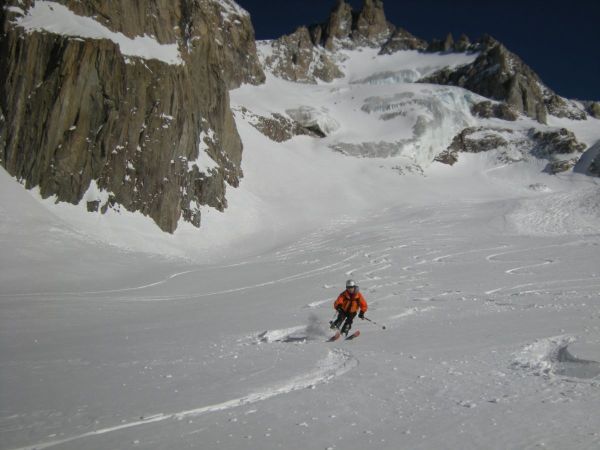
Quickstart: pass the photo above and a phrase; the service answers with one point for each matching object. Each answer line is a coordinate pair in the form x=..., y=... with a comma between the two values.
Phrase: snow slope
x=234, y=356
x=485, y=274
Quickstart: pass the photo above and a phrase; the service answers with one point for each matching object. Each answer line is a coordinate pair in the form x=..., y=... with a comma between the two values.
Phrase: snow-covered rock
x=317, y=120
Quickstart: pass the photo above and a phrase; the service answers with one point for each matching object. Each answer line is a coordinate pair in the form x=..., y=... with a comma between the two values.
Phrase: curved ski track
x=336, y=363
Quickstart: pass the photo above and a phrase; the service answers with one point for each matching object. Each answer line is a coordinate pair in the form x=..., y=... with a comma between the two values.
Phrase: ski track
x=493, y=257
x=411, y=312
x=540, y=359
x=277, y=335
x=223, y=292
x=335, y=267
x=318, y=303
x=128, y=289
x=109, y=291
x=541, y=283
x=476, y=250
x=379, y=269
x=336, y=363
x=531, y=266
x=299, y=276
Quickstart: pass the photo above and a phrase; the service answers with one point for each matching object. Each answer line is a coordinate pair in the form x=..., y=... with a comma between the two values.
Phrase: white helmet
x=351, y=284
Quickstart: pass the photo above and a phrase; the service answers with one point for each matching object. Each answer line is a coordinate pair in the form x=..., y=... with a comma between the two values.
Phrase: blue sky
x=560, y=40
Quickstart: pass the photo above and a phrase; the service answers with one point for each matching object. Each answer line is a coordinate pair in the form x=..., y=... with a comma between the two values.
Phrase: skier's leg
x=348, y=323
x=338, y=321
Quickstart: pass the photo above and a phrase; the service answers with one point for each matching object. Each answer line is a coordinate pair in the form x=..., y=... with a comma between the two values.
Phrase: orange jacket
x=351, y=303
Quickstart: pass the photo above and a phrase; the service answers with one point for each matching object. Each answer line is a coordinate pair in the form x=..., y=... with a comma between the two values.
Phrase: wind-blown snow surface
x=113, y=335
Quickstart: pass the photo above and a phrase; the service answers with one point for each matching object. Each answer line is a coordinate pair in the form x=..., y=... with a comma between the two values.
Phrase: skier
x=347, y=305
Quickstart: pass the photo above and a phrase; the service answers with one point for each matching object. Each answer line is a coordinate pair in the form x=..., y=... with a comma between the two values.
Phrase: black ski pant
x=348, y=317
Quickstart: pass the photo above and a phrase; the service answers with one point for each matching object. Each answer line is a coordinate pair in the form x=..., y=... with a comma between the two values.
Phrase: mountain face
x=125, y=104
x=501, y=75
x=311, y=54
x=368, y=27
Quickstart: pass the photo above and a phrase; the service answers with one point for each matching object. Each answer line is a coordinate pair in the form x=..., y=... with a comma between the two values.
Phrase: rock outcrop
x=556, y=142
x=294, y=57
x=560, y=107
x=308, y=54
x=463, y=44
x=402, y=40
x=488, y=110
x=501, y=75
x=555, y=145
x=479, y=139
x=370, y=27
x=316, y=120
x=594, y=109
x=594, y=168
x=561, y=165
x=349, y=29
x=446, y=45
x=277, y=127
x=90, y=118
x=337, y=28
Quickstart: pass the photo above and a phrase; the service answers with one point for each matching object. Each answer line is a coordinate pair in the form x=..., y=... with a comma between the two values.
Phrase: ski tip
x=335, y=337
x=353, y=335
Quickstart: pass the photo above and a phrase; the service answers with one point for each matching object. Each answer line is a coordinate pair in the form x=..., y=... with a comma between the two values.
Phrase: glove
x=361, y=315
x=339, y=309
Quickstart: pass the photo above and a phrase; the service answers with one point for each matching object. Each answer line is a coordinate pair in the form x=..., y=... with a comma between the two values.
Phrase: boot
x=346, y=328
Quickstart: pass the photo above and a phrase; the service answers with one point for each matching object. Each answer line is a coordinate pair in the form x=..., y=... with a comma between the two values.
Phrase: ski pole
x=375, y=323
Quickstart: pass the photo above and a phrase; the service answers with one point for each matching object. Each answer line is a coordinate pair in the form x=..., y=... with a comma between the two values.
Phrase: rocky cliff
x=125, y=104
x=501, y=75
x=309, y=53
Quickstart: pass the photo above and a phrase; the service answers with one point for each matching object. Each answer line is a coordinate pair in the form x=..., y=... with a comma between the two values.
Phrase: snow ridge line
x=336, y=363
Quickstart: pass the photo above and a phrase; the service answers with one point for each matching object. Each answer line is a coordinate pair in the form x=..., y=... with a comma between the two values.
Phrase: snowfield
x=485, y=274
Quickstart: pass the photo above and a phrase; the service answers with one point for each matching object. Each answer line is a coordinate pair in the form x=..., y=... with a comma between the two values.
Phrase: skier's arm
x=338, y=303
x=363, y=304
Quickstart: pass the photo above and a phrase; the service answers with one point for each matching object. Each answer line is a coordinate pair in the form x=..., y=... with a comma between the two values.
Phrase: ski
x=335, y=337
x=353, y=335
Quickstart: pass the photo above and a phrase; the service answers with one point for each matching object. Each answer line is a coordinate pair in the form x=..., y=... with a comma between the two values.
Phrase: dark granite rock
x=561, y=141
x=594, y=110
x=402, y=40
x=500, y=75
x=488, y=109
x=77, y=112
